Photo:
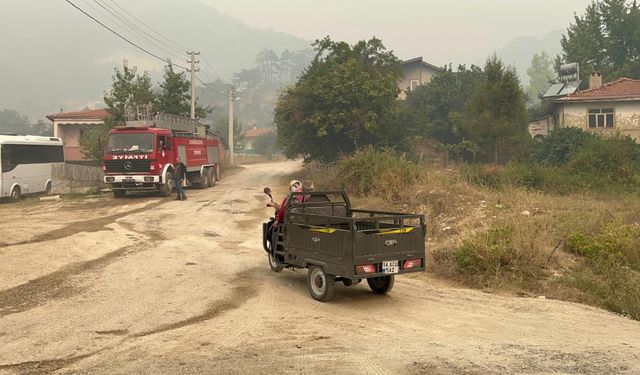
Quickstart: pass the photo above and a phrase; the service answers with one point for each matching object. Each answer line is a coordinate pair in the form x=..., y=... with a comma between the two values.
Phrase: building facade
x=416, y=72
x=609, y=109
x=69, y=126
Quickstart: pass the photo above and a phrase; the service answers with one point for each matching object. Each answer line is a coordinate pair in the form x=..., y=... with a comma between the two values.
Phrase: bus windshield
x=130, y=143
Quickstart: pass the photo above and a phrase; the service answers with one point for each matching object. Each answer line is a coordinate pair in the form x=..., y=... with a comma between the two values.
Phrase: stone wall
x=75, y=178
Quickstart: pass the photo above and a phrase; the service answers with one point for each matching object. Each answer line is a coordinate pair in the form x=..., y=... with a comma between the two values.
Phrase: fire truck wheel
x=211, y=177
x=204, y=181
x=167, y=188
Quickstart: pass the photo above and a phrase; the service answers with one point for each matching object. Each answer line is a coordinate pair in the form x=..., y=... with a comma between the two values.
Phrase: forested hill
x=55, y=57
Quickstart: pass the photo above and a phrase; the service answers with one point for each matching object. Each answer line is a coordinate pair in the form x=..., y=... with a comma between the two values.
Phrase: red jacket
x=280, y=215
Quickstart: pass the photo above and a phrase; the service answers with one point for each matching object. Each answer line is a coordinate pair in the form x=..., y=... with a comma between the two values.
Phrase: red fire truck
x=141, y=155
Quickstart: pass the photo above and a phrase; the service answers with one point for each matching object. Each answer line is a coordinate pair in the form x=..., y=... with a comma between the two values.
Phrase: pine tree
x=605, y=38
x=540, y=75
x=495, y=118
x=173, y=96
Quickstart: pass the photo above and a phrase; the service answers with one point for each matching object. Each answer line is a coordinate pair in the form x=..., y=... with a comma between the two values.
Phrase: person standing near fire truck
x=181, y=171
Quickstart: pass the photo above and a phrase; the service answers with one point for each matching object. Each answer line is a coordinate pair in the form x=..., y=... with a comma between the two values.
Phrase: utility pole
x=193, y=63
x=231, y=100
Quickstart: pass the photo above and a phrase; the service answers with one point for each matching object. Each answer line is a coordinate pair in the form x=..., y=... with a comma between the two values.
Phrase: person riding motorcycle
x=294, y=186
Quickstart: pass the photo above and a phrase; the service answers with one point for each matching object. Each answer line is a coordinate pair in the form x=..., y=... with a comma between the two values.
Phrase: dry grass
x=509, y=239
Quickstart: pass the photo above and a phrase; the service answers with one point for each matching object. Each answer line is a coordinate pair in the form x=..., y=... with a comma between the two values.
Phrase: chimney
x=595, y=80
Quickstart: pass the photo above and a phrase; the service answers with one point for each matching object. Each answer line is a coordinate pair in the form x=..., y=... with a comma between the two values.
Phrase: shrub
x=557, y=148
x=607, y=162
x=504, y=255
x=611, y=275
x=369, y=171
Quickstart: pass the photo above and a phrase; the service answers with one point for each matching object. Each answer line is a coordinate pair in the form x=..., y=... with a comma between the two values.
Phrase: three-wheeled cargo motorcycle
x=337, y=243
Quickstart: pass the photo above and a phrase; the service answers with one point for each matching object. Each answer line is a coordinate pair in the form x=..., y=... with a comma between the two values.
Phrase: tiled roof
x=93, y=114
x=623, y=88
x=252, y=133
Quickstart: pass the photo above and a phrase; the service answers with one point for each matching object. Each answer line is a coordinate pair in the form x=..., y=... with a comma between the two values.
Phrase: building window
x=413, y=84
x=601, y=118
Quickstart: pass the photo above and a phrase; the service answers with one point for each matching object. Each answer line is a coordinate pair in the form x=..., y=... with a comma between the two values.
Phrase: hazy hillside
x=519, y=51
x=56, y=57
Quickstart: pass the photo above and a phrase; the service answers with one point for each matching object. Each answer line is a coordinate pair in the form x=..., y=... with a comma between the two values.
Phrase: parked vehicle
x=141, y=155
x=25, y=164
x=336, y=243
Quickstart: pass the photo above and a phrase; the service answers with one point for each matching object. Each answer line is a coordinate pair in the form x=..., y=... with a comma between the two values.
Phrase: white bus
x=25, y=164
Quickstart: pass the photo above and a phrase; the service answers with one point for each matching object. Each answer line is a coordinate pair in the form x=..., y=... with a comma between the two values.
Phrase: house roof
x=256, y=132
x=93, y=114
x=623, y=88
x=419, y=59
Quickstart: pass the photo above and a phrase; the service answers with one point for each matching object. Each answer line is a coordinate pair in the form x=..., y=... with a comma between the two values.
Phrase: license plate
x=129, y=180
x=390, y=266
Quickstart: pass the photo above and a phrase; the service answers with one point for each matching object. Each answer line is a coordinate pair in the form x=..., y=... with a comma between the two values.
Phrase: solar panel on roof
x=570, y=88
x=553, y=90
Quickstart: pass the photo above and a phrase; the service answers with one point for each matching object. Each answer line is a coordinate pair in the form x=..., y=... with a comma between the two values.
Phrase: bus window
x=5, y=155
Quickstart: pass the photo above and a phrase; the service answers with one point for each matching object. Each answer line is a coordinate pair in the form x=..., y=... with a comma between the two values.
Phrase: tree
x=266, y=144
x=605, y=38
x=173, y=96
x=495, y=118
x=221, y=126
x=340, y=102
x=540, y=76
x=432, y=108
x=127, y=89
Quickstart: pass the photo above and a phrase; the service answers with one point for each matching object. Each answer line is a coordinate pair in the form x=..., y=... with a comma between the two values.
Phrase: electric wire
x=126, y=23
x=180, y=45
x=208, y=87
x=122, y=37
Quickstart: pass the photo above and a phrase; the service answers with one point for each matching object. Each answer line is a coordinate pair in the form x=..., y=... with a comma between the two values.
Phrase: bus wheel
x=16, y=194
x=119, y=193
x=47, y=189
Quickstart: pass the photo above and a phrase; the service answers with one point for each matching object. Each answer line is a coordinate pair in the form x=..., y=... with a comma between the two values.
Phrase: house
x=416, y=72
x=251, y=135
x=69, y=126
x=609, y=109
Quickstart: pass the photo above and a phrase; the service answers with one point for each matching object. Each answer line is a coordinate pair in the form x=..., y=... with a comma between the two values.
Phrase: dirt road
x=151, y=286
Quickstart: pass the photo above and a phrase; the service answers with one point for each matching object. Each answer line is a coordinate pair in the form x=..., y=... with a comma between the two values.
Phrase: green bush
x=611, y=275
x=568, y=161
x=502, y=255
x=557, y=148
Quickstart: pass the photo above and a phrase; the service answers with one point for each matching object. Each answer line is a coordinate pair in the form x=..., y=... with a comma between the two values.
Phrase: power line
x=210, y=88
x=180, y=45
x=122, y=37
x=131, y=25
x=217, y=74
x=115, y=21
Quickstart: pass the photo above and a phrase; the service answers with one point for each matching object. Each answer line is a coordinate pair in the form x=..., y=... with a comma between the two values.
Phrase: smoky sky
x=440, y=30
